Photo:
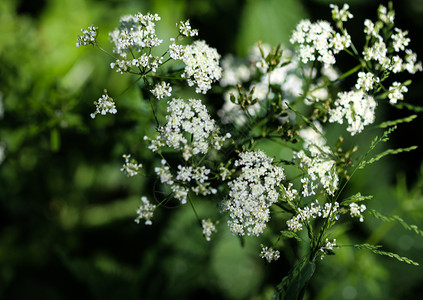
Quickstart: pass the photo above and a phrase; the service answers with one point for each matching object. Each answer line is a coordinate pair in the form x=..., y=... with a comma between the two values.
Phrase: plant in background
x=288, y=95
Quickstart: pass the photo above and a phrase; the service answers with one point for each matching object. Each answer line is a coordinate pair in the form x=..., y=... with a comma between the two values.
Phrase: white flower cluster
x=208, y=228
x=176, y=51
x=287, y=78
x=313, y=140
x=366, y=81
x=319, y=41
x=357, y=107
x=104, y=105
x=88, y=37
x=328, y=247
x=269, y=254
x=145, y=211
x=314, y=211
x=131, y=167
x=185, y=29
x=396, y=91
x=318, y=169
x=146, y=62
x=391, y=54
x=252, y=193
x=356, y=210
x=340, y=15
x=201, y=66
x=162, y=90
x=186, y=179
x=136, y=33
x=188, y=128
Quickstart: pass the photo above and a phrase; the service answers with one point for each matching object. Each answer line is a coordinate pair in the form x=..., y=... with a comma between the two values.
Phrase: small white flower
x=269, y=254
x=104, y=105
x=400, y=39
x=356, y=107
x=396, y=91
x=340, y=15
x=161, y=90
x=145, y=211
x=88, y=37
x=201, y=66
x=185, y=29
x=208, y=228
x=366, y=81
x=131, y=167
x=252, y=193
x=356, y=210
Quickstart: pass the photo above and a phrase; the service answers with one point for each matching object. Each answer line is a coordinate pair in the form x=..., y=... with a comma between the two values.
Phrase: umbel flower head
x=201, y=66
x=188, y=128
x=135, y=33
x=252, y=193
x=105, y=104
x=88, y=37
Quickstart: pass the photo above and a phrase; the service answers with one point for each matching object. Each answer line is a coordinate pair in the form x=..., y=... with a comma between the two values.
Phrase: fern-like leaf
x=385, y=153
x=399, y=121
x=375, y=249
x=398, y=219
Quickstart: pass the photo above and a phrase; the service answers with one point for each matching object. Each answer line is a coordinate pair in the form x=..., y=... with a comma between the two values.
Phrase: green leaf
x=54, y=139
x=411, y=107
x=293, y=285
x=385, y=153
x=395, y=122
x=289, y=234
x=374, y=249
x=398, y=219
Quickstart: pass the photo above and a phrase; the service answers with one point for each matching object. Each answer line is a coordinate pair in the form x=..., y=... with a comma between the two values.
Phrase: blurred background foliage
x=66, y=211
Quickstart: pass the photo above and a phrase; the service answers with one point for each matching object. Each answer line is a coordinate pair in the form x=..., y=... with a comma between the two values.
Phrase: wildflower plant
x=288, y=94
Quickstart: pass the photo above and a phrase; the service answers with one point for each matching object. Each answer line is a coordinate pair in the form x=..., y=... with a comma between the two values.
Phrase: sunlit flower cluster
x=185, y=28
x=105, y=104
x=356, y=107
x=252, y=193
x=356, y=210
x=201, y=66
x=315, y=210
x=319, y=41
x=131, y=167
x=88, y=37
x=396, y=92
x=319, y=170
x=188, y=128
x=328, y=247
x=269, y=254
x=162, y=90
x=135, y=33
x=145, y=211
x=366, y=81
x=377, y=50
x=341, y=15
x=208, y=228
